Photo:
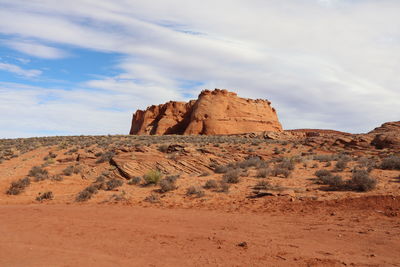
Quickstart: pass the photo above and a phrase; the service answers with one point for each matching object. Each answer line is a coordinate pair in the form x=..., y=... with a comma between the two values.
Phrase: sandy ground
x=116, y=235
x=300, y=225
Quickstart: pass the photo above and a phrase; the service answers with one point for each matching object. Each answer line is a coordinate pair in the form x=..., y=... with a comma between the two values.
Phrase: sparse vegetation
x=152, y=177
x=168, y=184
x=86, y=193
x=232, y=176
x=113, y=183
x=38, y=173
x=195, y=191
x=45, y=196
x=19, y=186
x=361, y=181
x=105, y=157
x=211, y=184
x=135, y=180
x=263, y=173
x=153, y=198
x=391, y=163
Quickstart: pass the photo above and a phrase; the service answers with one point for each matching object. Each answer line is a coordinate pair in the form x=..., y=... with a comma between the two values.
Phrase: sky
x=82, y=67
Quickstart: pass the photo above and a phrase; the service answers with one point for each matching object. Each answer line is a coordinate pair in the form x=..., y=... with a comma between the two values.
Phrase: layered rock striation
x=215, y=112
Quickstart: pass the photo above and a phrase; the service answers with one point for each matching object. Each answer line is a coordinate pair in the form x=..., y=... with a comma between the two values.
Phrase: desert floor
x=258, y=221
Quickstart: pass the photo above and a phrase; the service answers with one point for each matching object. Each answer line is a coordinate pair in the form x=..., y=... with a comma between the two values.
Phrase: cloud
x=323, y=64
x=37, y=50
x=20, y=71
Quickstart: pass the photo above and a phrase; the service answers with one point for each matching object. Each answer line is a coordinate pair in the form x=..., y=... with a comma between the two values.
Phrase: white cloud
x=19, y=71
x=37, y=50
x=322, y=63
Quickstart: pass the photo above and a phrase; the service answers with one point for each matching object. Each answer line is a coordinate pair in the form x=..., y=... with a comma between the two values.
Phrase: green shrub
x=152, y=177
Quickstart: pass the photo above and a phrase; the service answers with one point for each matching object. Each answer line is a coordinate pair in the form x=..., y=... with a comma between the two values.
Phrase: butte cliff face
x=213, y=113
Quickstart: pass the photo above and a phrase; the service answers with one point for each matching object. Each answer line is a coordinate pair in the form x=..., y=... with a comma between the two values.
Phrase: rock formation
x=213, y=113
x=387, y=135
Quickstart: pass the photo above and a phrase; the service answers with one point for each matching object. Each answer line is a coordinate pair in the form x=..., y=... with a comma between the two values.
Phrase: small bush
x=167, y=185
x=224, y=187
x=105, y=157
x=322, y=173
x=262, y=185
x=135, y=180
x=153, y=198
x=211, y=184
x=195, y=191
x=68, y=171
x=232, y=176
x=38, y=173
x=18, y=186
x=263, y=173
x=45, y=196
x=204, y=174
x=57, y=178
x=86, y=193
x=280, y=171
x=341, y=164
x=335, y=182
x=113, y=183
x=251, y=162
x=361, y=181
x=221, y=169
x=391, y=163
x=152, y=177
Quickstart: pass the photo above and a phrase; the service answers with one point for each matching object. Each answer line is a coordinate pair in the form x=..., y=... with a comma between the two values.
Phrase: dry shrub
x=19, y=186
x=38, y=173
x=211, y=184
x=195, y=191
x=135, y=180
x=263, y=173
x=167, y=185
x=153, y=198
x=86, y=193
x=361, y=181
x=113, y=183
x=391, y=163
x=232, y=176
x=45, y=196
x=105, y=157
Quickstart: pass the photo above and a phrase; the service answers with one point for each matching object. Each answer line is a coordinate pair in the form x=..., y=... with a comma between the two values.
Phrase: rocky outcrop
x=213, y=113
x=387, y=136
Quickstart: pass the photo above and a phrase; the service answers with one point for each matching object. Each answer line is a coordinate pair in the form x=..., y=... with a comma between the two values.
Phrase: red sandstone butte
x=213, y=113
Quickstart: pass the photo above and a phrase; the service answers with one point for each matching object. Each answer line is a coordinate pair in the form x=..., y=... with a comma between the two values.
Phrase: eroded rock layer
x=213, y=113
